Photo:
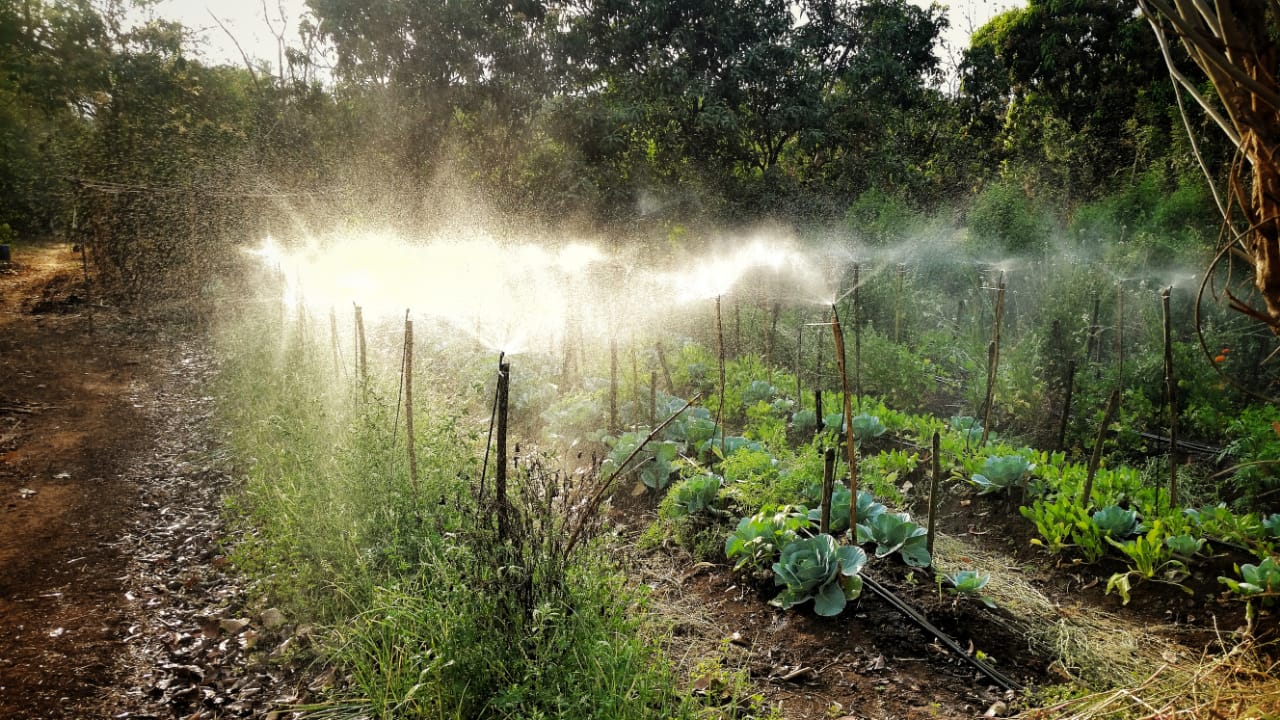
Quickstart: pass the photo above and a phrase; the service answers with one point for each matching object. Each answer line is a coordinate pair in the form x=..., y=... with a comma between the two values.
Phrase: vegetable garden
x=1060, y=508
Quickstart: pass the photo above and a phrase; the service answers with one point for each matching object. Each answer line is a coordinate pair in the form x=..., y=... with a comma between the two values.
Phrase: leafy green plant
x=1150, y=558
x=1117, y=523
x=756, y=542
x=758, y=391
x=1001, y=473
x=1056, y=520
x=1184, y=546
x=969, y=583
x=819, y=569
x=804, y=421
x=894, y=532
x=833, y=422
x=699, y=495
x=867, y=507
x=867, y=427
x=968, y=427
x=1271, y=525
x=1260, y=579
x=654, y=464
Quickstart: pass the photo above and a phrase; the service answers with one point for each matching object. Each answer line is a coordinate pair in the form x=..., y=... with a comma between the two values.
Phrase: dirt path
x=69, y=426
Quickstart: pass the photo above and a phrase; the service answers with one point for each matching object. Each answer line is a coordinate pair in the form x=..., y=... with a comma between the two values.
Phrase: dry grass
x=1126, y=670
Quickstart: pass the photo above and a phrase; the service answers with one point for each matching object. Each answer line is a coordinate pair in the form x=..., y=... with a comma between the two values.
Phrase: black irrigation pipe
x=914, y=615
x=1187, y=445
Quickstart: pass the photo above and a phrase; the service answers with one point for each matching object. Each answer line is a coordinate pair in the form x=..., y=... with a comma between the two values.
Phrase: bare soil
x=113, y=598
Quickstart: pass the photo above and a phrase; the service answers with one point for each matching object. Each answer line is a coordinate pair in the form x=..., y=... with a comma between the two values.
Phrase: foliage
x=894, y=532
x=867, y=507
x=758, y=539
x=1260, y=579
x=1184, y=546
x=819, y=569
x=698, y=495
x=1149, y=559
x=653, y=464
x=866, y=427
x=969, y=583
x=1001, y=473
x=1117, y=523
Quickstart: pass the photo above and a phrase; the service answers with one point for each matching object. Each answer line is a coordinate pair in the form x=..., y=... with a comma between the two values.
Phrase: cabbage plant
x=1117, y=523
x=969, y=583
x=819, y=569
x=699, y=495
x=804, y=421
x=1184, y=545
x=758, y=539
x=1263, y=578
x=758, y=391
x=894, y=532
x=867, y=427
x=867, y=508
x=1000, y=473
x=654, y=464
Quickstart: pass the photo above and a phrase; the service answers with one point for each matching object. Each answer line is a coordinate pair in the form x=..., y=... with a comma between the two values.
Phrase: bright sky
x=247, y=20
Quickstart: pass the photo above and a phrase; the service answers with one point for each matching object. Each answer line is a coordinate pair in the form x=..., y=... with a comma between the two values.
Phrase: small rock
x=233, y=625
x=272, y=618
x=997, y=709
x=25, y=493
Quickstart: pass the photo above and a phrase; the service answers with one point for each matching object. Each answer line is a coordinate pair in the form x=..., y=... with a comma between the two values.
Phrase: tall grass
x=429, y=614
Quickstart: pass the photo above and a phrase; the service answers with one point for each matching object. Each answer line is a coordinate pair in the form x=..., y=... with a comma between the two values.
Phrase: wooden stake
x=653, y=397
x=408, y=405
x=1066, y=405
x=897, y=306
x=500, y=450
x=817, y=409
x=799, y=367
x=613, y=385
x=720, y=344
x=635, y=389
x=934, y=480
x=666, y=371
x=857, y=335
x=333, y=333
x=828, y=487
x=1171, y=393
x=360, y=345
x=773, y=333
x=851, y=450
x=1096, y=459
x=993, y=362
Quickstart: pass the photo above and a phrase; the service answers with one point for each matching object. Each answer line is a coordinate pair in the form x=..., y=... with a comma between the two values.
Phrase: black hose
x=901, y=606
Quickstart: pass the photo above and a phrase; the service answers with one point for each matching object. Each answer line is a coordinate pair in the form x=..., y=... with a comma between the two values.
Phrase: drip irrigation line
x=914, y=615
x=1187, y=445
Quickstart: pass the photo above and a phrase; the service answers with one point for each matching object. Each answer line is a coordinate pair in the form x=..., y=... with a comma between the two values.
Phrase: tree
x=1236, y=44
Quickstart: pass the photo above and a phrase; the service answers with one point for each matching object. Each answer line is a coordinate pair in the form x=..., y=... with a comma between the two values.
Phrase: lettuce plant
x=894, y=532
x=1000, y=473
x=1263, y=578
x=819, y=569
x=699, y=495
x=758, y=539
x=1117, y=523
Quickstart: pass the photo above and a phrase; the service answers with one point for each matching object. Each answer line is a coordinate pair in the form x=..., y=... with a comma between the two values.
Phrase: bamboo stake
x=993, y=364
x=1171, y=393
x=933, y=489
x=408, y=405
x=1096, y=459
x=851, y=451
x=828, y=487
x=817, y=409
